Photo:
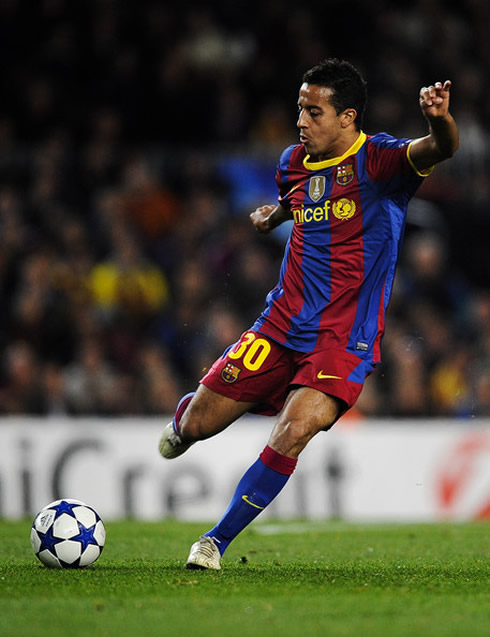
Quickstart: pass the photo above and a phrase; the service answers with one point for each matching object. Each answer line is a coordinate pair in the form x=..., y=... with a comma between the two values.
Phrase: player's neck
x=338, y=149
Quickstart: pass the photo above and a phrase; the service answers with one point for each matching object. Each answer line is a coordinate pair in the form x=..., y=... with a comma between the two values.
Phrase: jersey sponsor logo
x=344, y=209
x=345, y=174
x=245, y=497
x=230, y=373
x=306, y=214
x=317, y=188
x=321, y=376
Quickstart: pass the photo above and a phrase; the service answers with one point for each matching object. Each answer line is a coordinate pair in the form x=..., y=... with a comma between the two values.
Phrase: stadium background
x=135, y=138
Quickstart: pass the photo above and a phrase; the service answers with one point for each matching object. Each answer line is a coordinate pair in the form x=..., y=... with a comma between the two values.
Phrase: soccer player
x=307, y=356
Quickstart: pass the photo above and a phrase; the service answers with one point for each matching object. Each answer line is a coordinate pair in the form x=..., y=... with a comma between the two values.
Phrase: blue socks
x=181, y=407
x=257, y=488
x=261, y=483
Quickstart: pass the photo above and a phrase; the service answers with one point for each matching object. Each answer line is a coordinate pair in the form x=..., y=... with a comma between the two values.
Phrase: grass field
x=285, y=579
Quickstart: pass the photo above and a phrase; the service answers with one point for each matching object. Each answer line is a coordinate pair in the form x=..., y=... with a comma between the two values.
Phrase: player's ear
x=348, y=117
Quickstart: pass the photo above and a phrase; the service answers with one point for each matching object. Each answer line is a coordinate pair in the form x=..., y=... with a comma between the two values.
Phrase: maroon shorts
x=259, y=370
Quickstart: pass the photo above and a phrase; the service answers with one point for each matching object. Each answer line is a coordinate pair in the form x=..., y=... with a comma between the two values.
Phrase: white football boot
x=171, y=444
x=204, y=554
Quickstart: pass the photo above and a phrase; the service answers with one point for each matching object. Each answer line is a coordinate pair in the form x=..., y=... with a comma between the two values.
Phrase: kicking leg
x=305, y=413
x=199, y=415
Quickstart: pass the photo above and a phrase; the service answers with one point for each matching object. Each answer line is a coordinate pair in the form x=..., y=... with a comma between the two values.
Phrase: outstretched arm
x=266, y=218
x=443, y=138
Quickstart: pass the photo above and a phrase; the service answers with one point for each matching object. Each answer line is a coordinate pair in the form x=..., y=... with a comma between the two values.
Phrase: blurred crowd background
x=135, y=139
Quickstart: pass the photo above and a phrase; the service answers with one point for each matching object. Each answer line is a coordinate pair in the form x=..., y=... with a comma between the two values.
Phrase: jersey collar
x=320, y=165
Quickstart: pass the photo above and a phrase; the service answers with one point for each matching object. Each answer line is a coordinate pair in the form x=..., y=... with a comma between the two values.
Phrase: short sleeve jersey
x=337, y=273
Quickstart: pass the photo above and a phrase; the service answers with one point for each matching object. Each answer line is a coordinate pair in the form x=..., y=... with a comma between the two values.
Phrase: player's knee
x=302, y=432
x=291, y=437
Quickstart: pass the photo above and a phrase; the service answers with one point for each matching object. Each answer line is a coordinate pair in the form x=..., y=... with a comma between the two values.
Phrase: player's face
x=321, y=129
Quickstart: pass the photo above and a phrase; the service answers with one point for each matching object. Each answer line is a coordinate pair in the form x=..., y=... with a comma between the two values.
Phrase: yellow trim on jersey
x=320, y=165
x=420, y=173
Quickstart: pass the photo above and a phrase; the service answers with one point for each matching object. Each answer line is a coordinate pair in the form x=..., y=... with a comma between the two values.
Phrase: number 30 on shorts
x=254, y=351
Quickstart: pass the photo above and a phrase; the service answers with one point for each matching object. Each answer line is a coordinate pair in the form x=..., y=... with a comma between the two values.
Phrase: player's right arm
x=266, y=218
x=443, y=138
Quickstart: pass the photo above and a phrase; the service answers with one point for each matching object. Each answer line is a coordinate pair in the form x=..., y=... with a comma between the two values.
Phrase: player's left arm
x=443, y=138
x=268, y=217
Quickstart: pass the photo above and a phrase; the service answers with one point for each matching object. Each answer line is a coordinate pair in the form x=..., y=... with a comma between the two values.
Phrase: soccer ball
x=67, y=534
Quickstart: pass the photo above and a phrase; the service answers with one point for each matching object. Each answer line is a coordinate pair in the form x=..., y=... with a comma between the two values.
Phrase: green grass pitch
x=282, y=579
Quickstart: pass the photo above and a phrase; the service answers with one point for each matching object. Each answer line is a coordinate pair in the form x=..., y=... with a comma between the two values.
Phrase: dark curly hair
x=347, y=85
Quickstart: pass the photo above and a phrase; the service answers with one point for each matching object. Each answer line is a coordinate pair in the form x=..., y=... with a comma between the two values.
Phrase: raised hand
x=434, y=99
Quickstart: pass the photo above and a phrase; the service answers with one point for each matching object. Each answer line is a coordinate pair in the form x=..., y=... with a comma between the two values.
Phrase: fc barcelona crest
x=317, y=188
x=230, y=373
x=345, y=174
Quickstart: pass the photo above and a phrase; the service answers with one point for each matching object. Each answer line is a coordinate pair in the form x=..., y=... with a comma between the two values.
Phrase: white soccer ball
x=67, y=534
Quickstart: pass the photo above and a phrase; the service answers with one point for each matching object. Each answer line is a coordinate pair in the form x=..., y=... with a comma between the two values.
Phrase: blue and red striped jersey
x=338, y=268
